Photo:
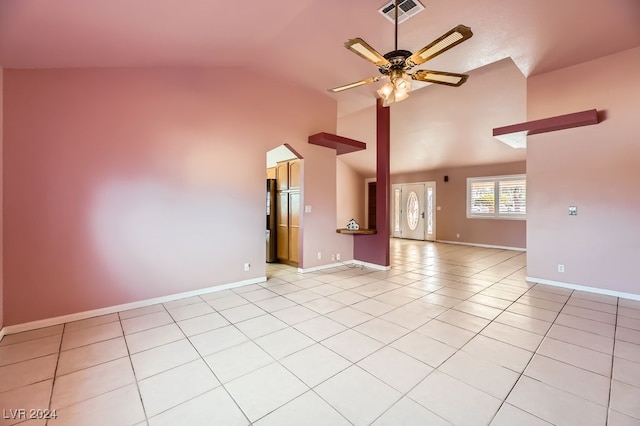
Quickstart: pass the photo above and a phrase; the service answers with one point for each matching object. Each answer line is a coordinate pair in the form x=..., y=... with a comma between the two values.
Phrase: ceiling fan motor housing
x=397, y=60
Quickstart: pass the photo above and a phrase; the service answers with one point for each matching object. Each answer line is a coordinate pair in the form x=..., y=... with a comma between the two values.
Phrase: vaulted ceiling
x=303, y=41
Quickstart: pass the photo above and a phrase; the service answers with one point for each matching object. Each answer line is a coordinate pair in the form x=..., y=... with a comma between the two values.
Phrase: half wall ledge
x=551, y=124
x=356, y=231
x=341, y=144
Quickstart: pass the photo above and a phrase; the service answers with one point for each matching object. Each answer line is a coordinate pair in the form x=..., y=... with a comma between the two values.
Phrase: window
x=497, y=197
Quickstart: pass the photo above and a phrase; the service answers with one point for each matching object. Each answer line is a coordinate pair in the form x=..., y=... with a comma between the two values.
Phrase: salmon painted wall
x=451, y=196
x=596, y=168
x=319, y=193
x=127, y=184
x=350, y=194
x=1, y=204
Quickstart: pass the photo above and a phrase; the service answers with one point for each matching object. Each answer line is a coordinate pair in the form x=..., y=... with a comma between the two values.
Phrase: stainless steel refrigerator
x=271, y=221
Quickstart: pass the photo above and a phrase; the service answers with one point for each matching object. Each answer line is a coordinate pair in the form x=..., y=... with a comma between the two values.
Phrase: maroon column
x=375, y=248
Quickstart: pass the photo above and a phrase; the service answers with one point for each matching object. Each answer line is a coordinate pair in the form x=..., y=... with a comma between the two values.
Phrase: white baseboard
x=48, y=322
x=321, y=267
x=372, y=265
x=584, y=288
x=346, y=263
x=482, y=245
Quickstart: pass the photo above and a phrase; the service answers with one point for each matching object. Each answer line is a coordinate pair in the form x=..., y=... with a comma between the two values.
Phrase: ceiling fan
x=396, y=64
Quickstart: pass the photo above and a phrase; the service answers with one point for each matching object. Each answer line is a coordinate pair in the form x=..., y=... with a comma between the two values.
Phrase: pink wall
x=350, y=194
x=128, y=184
x=319, y=192
x=451, y=196
x=596, y=168
x=1, y=202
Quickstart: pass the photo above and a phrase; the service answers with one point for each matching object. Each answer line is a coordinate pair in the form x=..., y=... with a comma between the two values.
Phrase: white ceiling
x=303, y=40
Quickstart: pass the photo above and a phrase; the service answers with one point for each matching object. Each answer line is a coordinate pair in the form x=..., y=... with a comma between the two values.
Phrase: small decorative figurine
x=353, y=225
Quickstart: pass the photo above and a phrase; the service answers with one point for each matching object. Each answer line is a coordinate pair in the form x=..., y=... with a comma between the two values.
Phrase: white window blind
x=513, y=197
x=497, y=197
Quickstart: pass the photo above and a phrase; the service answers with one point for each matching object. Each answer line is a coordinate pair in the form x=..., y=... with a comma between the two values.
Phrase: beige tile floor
x=450, y=335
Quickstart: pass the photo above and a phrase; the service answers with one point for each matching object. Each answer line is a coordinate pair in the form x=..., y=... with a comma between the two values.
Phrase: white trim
x=346, y=263
x=2, y=333
x=584, y=288
x=321, y=267
x=392, y=208
x=496, y=186
x=372, y=265
x=482, y=245
x=18, y=328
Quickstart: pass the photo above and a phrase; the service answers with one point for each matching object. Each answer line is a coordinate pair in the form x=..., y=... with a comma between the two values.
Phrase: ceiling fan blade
x=440, y=77
x=362, y=49
x=355, y=84
x=450, y=39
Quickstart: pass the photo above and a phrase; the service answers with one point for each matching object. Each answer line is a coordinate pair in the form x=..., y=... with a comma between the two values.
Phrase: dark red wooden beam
x=374, y=249
x=341, y=144
x=551, y=124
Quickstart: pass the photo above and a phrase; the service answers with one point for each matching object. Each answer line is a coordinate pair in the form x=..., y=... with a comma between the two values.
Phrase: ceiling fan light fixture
x=385, y=91
x=402, y=84
x=401, y=96
x=394, y=97
x=397, y=89
x=397, y=63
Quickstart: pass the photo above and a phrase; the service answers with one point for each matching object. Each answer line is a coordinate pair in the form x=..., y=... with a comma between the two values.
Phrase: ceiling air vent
x=406, y=10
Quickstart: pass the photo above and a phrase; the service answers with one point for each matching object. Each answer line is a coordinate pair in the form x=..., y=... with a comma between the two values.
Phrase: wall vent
x=406, y=10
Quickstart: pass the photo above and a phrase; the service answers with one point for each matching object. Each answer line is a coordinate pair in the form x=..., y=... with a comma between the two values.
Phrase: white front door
x=413, y=213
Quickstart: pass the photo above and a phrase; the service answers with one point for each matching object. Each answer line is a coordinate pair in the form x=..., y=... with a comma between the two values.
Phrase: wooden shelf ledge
x=356, y=232
x=515, y=135
x=341, y=144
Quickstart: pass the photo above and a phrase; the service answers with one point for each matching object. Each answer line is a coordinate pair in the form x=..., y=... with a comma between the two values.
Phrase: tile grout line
x=222, y=385
x=504, y=401
x=406, y=394
x=450, y=308
x=613, y=359
x=55, y=372
x=404, y=269
x=200, y=357
x=133, y=370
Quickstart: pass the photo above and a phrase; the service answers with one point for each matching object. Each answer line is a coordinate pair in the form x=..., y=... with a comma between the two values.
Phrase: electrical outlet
x=319, y=255
x=560, y=267
x=338, y=256
x=457, y=235
x=333, y=257
x=247, y=266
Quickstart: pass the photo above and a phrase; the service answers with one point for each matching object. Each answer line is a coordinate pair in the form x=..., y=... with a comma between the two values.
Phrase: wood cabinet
x=271, y=173
x=288, y=211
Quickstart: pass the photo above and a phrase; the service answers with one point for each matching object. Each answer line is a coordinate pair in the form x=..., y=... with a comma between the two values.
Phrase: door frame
x=366, y=200
x=395, y=232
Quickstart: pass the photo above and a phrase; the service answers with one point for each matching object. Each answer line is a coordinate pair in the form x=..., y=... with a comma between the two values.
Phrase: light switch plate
x=573, y=210
x=307, y=209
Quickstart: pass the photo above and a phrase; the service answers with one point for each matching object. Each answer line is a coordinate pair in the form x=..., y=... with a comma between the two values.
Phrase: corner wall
x=129, y=184
x=350, y=195
x=596, y=168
